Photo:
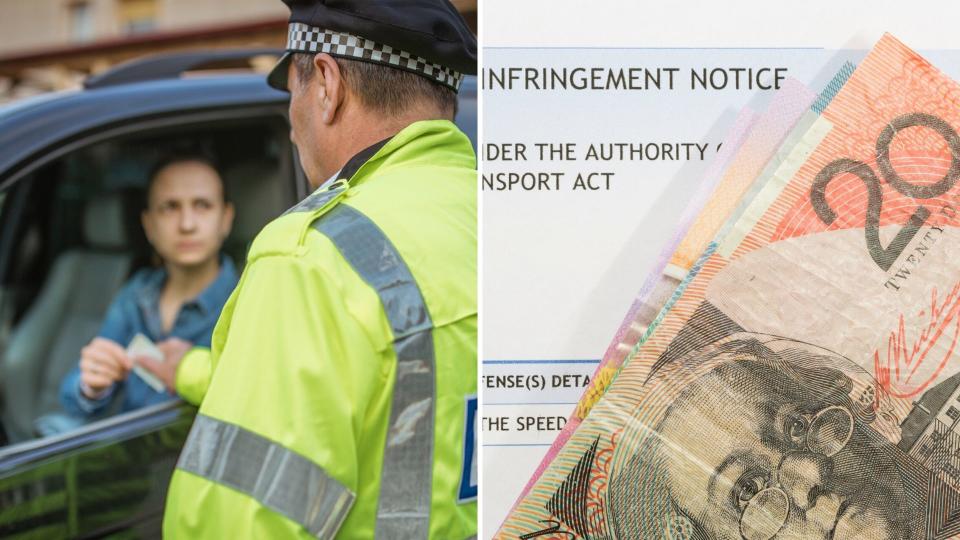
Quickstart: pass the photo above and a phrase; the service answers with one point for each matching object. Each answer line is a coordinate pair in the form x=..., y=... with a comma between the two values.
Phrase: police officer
x=338, y=397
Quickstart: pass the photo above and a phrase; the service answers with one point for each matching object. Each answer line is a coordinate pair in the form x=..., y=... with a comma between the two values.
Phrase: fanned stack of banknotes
x=791, y=369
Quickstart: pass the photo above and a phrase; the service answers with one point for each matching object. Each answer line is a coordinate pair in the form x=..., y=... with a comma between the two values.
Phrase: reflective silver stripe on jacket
x=406, y=481
x=277, y=478
x=315, y=200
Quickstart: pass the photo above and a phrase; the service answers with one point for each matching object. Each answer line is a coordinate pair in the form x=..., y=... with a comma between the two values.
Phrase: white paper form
x=560, y=267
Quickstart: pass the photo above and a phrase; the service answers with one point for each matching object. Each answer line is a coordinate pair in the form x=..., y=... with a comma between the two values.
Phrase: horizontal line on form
x=519, y=444
x=566, y=47
x=532, y=403
x=499, y=362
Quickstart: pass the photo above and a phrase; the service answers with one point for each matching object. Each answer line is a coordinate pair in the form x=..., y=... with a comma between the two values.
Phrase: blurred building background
x=48, y=45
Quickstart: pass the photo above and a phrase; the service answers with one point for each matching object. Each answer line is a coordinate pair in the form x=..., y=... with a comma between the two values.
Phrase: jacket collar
x=357, y=161
x=444, y=140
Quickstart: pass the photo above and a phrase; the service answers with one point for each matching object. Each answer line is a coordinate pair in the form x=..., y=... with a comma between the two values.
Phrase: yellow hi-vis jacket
x=339, y=393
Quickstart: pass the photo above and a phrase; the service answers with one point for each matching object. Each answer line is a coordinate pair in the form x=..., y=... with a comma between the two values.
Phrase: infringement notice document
x=599, y=123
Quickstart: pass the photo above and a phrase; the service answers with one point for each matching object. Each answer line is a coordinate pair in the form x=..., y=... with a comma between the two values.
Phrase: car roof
x=35, y=125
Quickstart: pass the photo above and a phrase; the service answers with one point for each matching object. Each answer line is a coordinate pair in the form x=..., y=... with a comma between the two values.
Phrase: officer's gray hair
x=382, y=88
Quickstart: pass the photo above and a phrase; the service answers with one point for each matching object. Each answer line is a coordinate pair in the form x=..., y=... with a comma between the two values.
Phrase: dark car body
x=110, y=477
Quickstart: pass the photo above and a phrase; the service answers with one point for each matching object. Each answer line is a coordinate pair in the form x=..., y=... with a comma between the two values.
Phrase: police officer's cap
x=426, y=37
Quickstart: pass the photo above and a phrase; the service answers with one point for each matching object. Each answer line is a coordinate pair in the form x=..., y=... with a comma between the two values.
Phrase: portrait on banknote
x=776, y=438
x=763, y=437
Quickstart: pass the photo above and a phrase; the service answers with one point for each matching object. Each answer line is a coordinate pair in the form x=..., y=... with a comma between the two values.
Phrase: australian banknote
x=805, y=383
x=674, y=268
x=628, y=332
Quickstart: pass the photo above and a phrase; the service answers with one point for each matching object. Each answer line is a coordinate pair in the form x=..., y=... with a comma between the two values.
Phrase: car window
x=5, y=313
x=81, y=263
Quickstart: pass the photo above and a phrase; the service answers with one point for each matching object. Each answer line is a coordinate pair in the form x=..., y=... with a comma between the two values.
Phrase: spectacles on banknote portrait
x=765, y=504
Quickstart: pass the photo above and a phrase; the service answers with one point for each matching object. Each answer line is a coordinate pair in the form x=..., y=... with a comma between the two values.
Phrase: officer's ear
x=330, y=86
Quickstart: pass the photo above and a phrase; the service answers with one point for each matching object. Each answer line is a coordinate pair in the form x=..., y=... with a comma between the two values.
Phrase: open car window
x=78, y=239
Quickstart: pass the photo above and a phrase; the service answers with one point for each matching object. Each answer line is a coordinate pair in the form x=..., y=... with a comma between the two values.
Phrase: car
x=73, y=166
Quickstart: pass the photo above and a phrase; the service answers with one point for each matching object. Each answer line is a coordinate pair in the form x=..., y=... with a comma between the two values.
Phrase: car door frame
x=21, y=458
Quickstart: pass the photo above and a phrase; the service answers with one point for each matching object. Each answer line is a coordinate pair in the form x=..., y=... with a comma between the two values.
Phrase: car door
x=110, y=476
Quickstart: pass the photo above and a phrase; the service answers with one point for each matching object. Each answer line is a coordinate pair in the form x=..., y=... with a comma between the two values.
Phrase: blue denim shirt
x=136, y=309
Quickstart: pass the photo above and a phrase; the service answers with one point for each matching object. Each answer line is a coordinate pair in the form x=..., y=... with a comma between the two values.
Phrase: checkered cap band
x=306, y=38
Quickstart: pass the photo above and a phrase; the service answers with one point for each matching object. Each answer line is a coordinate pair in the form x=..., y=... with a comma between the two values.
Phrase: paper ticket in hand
x=141, y=345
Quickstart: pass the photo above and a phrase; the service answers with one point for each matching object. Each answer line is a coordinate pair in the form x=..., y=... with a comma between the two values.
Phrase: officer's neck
x=361, y=127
